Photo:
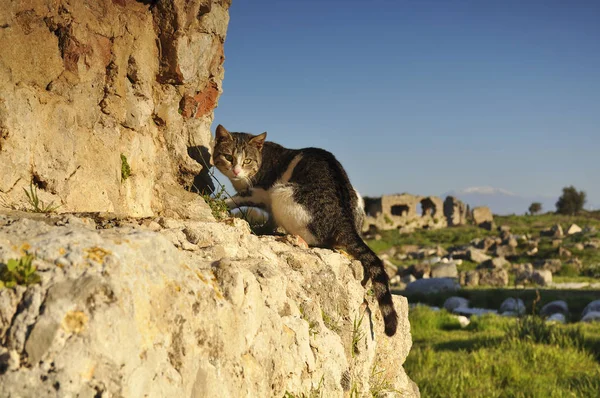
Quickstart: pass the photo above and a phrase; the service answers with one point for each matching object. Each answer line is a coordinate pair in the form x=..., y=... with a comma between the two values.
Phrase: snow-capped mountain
x=501, y=201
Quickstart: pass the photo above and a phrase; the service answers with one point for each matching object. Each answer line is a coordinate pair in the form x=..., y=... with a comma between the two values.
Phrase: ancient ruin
x=408, y=212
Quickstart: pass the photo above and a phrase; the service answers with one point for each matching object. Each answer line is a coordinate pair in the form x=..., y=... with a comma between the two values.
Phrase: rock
x=454, y=302
x=494, y=263
x=553, y=307
x=504, y=229
x=455, y=211
x=433, y=260
x=390, y=268
x=432, y=285
x=591, y=316
x=497, y=277
x=562, y=252
x=555, y=231
x=469, y=278
x=514, y=305
x=482, y=214
x=523, y=273
x=477, y=256
x=417, y=270
x=574, y=229
x=553, y=265
x=532, y=252
x=408, y=279
x=447, y=270
x=504, y=251
x=463, y=320
x=592, y=306
x=557, y=318
x=473, y=311
x=556, y=242
x=90, y=88
x=486, y=243
x=123, y=312
x=542, y=277
x=592, y=244
x=579, y=246
x=512, y=242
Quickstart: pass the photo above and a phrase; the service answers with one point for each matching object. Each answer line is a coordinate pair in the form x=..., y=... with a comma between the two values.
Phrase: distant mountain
x=501, y=201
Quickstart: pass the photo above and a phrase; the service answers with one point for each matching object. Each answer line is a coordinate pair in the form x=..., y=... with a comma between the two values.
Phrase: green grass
x=125, y=168
x=490, y=359
x=37, y=205
x=535, y=224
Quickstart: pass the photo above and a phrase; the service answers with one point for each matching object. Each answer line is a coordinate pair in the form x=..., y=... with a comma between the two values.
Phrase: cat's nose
x=237, y=170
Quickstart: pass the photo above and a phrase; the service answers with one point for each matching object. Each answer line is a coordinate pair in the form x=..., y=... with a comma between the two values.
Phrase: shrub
x=535, y=208
x=571, y=202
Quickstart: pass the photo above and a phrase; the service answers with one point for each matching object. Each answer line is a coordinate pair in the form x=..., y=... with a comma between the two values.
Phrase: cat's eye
x=247, y=162
x=228, y=158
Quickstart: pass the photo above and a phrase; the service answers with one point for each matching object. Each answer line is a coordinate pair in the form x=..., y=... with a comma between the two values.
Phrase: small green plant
x=357, y=334
x=125, y=168
x=37, y=205
x=19, y=272
x=330, y=323
x=387, y=219
x=217, y=204
x=313, y=393
x=380, y=385
x=535, y=329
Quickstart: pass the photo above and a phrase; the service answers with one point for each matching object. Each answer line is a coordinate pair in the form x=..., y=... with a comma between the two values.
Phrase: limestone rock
x=511, y=304
x=191, y=309
x=574, y=229
x=497, y=277
x=454, y=302
x=432, y=285
x=482, y=216
x=85, y=82
x=442, y=270
x=553, y=307
x=542, y=277
x=477, y=256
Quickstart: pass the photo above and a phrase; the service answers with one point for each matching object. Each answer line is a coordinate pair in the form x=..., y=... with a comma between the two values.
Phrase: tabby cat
x=308, y=193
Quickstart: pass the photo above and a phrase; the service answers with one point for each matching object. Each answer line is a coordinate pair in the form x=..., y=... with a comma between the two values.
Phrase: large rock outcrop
x=160, y=307
x=84, y=81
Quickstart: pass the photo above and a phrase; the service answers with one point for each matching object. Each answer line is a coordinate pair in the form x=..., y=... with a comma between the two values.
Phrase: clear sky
x=424, y=96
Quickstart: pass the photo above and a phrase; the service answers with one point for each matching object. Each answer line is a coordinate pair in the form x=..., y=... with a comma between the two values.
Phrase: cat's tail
x=374, y=270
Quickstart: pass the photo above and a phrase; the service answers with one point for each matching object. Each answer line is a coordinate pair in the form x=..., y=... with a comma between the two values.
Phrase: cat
x=308, y=193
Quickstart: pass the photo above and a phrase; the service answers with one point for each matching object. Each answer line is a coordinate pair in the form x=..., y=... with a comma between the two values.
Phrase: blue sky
x=424, y=96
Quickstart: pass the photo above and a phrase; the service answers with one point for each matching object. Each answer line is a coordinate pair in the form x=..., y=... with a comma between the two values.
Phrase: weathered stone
x=542, y=277
x=562, y=252
x=468, y=278
x=592, y=306
x=432, y=285
x=573, y=229
x=86, y=83
x=482, y=217
x=494, y=263
x=402, y=212
x=555, y=231
x=455, y=211
x=553, y=265
x=591, y=316
x=122, y=312
x=442, y=270
x=553, y=307
x=504, y=251
x=496, y=277
x=557, y=318
x=454, y=302
x=515, y=305
x=477, y=256
x=417, y=270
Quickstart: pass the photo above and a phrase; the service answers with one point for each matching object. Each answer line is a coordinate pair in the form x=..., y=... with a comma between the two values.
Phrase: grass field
x=502, y=357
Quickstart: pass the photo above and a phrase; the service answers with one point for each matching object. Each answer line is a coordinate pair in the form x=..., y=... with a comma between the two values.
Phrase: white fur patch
x=289, y=214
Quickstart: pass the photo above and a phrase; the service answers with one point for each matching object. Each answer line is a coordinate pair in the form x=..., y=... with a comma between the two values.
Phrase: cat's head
x=238, y=155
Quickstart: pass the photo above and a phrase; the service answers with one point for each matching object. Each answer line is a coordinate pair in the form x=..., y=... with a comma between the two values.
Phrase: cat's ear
x=258, y=140
x=222, y=135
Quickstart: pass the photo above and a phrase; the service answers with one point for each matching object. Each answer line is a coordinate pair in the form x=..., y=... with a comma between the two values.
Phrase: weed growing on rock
x=217, y=204
x=125, y=168
x=357, y=334
x=19, y=272
x=37, y=205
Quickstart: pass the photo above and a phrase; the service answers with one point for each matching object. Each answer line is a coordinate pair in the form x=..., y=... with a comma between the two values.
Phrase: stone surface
x=82, y=82
x=542, y=277
x=433, y=285
x=482, y=216
x=455, y=302
x=511, y=304
x=496, y=277
x=170, y=308
x=405, y=212
x=592, y=316
x=447, y=270
x=477, y=256
x=553, y=307
x=592, y=306
x=573, y=229
x=557, y=318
